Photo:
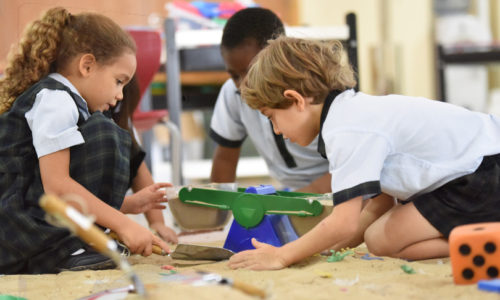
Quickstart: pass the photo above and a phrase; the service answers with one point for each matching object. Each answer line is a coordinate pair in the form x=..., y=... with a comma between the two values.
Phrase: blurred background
x=439, y=49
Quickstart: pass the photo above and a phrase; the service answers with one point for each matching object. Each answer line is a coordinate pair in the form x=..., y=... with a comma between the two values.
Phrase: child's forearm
x=154, y=216
x=372, y=210
x=54, y=171
x=321, y=185
x=142, y=179
x=224, y=163
x=338, y=228
x=104, y=214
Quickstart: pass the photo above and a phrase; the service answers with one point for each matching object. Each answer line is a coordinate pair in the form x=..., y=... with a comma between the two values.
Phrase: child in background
x=442, y=161
x=296, y=167
x=148, y=195
x=54, y=139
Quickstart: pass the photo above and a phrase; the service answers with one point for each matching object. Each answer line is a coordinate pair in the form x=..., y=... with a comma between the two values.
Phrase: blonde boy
x=440, y=160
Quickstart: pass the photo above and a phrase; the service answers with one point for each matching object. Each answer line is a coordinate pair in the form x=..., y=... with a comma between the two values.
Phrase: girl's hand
x=166, y=233
x=140, y=240
x=264, y=257
x=148, y=198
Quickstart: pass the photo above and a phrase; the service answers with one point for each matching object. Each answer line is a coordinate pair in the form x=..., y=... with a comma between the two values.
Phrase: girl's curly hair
x=49, y=43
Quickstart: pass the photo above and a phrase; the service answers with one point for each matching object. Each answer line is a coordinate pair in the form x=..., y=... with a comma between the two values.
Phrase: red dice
x=475, y=252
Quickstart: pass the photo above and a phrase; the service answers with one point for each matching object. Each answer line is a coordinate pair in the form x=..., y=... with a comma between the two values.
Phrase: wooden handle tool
x=248, y=289
x=81, y=225
x=242, y=286
x=91, y=234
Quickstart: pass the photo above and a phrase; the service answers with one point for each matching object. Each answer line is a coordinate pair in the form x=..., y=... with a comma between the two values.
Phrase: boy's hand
x=140, y=240
x=165, y=232
x=264, y=257
x=148, y=198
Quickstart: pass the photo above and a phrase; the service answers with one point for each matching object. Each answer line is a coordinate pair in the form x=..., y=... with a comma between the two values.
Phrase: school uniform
x=233, y=120
x=100, y=161
x=442, y=157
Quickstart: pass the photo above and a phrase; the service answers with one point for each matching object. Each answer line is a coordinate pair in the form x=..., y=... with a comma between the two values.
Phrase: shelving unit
x=185, y=39
x=197, y=77
x=463, y=55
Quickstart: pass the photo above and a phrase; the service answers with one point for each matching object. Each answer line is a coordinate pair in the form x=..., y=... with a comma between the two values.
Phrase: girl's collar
x=65, y=81
x=83, y=104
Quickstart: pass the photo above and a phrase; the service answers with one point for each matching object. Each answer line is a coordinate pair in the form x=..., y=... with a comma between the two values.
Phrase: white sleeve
x=53, y=122
x=356, y=163
x=226, y=119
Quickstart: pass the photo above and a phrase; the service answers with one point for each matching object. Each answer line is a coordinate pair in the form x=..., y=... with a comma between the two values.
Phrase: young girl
x=54, y=139
x=147, y=193
x=441, y=160
x=299, y=168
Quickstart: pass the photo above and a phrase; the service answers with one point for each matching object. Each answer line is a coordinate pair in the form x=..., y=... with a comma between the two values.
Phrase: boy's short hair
x=258, y=23
x=312, y=68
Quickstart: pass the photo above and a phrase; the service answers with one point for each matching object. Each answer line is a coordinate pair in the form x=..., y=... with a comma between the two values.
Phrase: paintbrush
x=84, y=228
x=244, y=287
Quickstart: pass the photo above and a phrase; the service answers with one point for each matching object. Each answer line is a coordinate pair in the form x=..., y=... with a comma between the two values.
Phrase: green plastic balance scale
x=249, y=209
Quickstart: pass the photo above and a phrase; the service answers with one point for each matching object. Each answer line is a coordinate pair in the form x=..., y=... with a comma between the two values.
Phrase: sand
x=314, y=278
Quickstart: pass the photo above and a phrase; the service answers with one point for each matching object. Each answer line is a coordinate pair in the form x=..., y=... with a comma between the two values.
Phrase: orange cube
x=475, y=252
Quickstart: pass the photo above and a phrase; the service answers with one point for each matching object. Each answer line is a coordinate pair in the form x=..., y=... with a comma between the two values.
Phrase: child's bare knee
x=375, y=242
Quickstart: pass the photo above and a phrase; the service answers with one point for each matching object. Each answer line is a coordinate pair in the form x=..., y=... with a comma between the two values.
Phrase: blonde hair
x=50, y=43
x=312, y=68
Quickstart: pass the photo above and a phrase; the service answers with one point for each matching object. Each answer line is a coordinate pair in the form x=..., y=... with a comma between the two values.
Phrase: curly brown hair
x=51, y=42
x=312, y=68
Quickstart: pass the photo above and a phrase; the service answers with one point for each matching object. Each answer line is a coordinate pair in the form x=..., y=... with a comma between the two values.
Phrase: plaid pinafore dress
x=28, y=244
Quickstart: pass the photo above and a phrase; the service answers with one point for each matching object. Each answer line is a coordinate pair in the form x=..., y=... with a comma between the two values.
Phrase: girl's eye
x=119, y=82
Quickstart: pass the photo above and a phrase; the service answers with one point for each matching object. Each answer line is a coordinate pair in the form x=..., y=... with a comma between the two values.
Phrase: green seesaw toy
x=259, y=212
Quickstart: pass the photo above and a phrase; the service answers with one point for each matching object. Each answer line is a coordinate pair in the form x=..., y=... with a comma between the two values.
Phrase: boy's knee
x=376, y=243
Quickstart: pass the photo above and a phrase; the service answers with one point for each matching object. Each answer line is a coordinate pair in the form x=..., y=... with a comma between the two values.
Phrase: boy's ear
x=296, y=97
x=87, y=64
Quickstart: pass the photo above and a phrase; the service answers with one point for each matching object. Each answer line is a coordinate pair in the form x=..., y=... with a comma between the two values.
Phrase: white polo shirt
x=233, y=120
x=402, y=146
x=53, y=119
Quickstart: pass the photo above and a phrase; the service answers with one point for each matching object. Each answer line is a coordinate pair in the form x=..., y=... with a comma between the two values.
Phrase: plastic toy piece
x=475, y=252
x=249, y=208
x=344, y=283
x=489, y=285
x=338, y=255
x=10, y=297
x=170, y=272
x=263, y=189
x=367, y=256
x=275, y=230
x=407, y=269
x=323, y=274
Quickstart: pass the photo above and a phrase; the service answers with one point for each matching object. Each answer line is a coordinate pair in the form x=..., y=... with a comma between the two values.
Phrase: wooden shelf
x=197, y=77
